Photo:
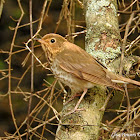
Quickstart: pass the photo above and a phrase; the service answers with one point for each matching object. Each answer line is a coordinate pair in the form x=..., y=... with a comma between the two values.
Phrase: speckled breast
x=76, y=84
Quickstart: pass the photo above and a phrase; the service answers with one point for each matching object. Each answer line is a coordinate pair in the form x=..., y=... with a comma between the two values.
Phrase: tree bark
x=102, y=42
x=103, y=36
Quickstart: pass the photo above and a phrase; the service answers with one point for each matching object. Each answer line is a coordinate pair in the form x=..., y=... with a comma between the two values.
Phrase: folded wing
x=82, y=65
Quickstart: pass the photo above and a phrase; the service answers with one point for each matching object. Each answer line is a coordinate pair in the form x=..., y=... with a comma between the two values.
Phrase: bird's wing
x=82, y=65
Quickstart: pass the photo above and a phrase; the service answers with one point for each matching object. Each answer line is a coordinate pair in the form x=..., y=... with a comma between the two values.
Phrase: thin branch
x=124, y=42
x=32, y=70
x=10, y=60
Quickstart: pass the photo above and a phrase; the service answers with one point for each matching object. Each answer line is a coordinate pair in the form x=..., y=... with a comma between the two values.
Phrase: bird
x=77, y=69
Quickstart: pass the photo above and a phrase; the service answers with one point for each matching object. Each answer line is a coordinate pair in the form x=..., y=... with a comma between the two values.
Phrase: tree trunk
x=103, y=36
x=102, y=42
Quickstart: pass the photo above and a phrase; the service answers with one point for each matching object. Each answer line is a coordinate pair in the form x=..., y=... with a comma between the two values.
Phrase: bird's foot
x=71, y=98
x=74, y=110
x=78, y=103
x=102, y=108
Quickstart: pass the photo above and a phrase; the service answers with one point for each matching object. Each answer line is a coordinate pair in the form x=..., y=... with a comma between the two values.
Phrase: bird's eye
x=52, y=40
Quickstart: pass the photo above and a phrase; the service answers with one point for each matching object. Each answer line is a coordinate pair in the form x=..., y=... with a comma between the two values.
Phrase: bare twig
x=32, y=70
x=10, y=59
x=124, y=42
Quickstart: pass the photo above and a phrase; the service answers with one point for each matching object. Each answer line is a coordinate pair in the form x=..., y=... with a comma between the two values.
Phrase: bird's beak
x=40, y=40
x=43, y=43
x=37, y=39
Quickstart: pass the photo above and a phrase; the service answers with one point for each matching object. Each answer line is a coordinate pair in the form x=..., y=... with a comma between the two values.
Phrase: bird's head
x=52, y=43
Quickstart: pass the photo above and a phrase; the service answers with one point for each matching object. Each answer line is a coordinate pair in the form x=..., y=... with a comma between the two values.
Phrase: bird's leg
x=106, y=101
x=71, y=98
x=78, y=103
x=82, y=96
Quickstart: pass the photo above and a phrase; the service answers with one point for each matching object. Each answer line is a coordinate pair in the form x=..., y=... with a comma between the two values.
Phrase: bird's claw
x=74, y=110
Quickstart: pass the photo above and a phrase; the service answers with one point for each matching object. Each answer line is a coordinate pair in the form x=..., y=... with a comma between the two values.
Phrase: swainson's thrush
x=76, y=68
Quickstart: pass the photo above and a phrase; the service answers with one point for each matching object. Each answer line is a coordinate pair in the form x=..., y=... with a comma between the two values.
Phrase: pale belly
x=76, y=84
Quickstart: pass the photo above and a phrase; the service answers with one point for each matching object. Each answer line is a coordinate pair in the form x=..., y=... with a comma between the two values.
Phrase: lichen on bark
x=103, y=36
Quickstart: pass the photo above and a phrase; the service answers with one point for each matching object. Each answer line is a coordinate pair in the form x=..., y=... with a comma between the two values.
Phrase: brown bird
x=76, y=68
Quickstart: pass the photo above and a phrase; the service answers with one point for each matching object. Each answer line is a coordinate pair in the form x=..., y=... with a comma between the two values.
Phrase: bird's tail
x=127, y=80
x=120, y=79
